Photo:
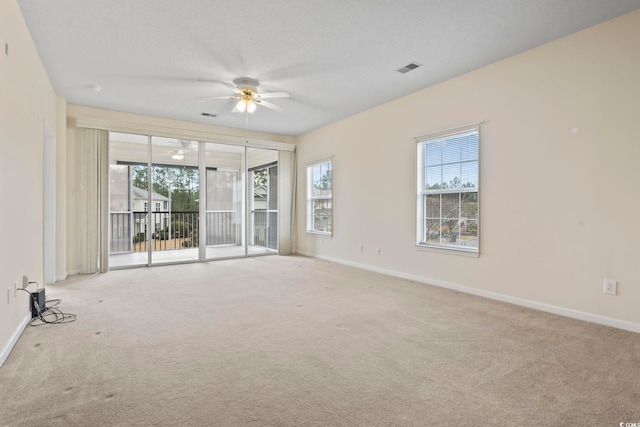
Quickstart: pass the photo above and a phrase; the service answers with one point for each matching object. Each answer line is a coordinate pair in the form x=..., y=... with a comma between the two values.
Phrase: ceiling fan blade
x=271, y=105
x=217, y=97
x=265, y=95
x=230, y=86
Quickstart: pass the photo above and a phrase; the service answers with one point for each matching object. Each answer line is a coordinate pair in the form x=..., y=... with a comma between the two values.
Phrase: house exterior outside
x=131, y=218
x=159, y=205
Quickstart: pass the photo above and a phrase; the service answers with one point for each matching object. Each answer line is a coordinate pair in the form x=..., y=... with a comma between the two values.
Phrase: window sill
x=320, y=233
x=448, y=250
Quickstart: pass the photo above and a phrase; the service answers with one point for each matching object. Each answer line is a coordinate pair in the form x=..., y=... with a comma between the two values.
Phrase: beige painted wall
x=27, y=101
x=61, y=189
x=559, y=175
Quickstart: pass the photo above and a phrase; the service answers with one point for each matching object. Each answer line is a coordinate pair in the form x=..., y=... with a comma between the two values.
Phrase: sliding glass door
x=224, y=216
x=128, y=215
x=263, y=180
x=177, y=200
x=174, y=200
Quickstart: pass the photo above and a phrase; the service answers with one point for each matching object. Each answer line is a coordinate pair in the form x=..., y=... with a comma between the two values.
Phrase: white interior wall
x=61, y=188
x=27, y=102
x=73, y=211
x=559, y=173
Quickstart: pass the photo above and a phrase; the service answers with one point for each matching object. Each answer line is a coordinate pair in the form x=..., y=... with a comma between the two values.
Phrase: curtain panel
x=94, y=172
x=286, y=200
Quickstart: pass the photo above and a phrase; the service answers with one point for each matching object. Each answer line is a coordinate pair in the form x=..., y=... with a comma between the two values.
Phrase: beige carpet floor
x=294, y=341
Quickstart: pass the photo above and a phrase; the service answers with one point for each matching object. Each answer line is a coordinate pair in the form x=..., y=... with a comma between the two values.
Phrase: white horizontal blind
x=448, y=189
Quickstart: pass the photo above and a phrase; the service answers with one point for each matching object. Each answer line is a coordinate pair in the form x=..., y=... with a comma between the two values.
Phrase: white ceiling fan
x=183, y=146
x=246, y=92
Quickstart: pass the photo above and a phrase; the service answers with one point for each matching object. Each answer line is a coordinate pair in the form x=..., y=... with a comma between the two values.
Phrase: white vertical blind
x=203, y=198
x=94, y=152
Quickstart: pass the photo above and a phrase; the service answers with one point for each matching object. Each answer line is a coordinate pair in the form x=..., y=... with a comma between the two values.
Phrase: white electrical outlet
x=25, y=282
x=15, y=289
x=361, y=248
x=610, y=286
x=378, y=251
x=8, y=295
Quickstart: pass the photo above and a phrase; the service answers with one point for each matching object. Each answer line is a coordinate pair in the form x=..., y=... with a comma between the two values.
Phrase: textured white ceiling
x=334, y=57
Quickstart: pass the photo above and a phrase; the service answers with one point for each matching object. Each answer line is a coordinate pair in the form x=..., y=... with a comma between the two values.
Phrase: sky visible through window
x=452, y=162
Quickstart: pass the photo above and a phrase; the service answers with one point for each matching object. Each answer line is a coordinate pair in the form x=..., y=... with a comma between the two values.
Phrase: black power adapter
x=37, y=302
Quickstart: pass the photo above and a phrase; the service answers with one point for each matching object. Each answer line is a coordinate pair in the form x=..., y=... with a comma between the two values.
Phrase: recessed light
x=95, y=87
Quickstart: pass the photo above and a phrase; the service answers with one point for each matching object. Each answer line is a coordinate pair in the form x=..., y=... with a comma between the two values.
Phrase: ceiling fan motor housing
x=246, y=83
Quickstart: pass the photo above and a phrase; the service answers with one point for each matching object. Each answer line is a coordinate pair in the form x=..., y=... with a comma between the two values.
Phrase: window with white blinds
x=448, y=189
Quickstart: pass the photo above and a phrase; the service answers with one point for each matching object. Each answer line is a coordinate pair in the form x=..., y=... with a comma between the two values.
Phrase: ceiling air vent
x=409, y=67
x=209, y=115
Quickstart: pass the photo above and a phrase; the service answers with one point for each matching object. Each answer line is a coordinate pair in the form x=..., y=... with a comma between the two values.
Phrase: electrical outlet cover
x=610, y=286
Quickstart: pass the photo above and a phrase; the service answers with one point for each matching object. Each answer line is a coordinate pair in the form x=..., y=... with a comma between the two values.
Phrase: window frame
x=311, y=199
x=421, y=191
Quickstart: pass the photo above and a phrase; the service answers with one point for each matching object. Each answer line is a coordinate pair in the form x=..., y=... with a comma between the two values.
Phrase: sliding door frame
x=202, y=138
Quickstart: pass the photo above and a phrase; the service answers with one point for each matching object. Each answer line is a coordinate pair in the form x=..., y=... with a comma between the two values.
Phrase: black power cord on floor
x=50, y=315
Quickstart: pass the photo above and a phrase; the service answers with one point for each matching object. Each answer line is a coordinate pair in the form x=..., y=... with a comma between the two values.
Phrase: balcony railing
x=260, y=228
x=223, y=228
x=265, y=228
x=129, y=231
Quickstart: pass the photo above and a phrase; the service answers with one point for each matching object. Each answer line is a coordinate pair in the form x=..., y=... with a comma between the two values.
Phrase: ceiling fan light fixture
x=247, y=96
x=251, y=106
x=245, y=105
x=240, y=106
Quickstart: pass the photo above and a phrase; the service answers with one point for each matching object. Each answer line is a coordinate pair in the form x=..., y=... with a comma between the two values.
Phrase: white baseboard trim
x=61, y=277
x=14, y=339
x=561, y=311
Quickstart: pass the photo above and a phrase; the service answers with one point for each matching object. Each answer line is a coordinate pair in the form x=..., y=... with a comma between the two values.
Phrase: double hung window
x=320, y=197
x=448, y=189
